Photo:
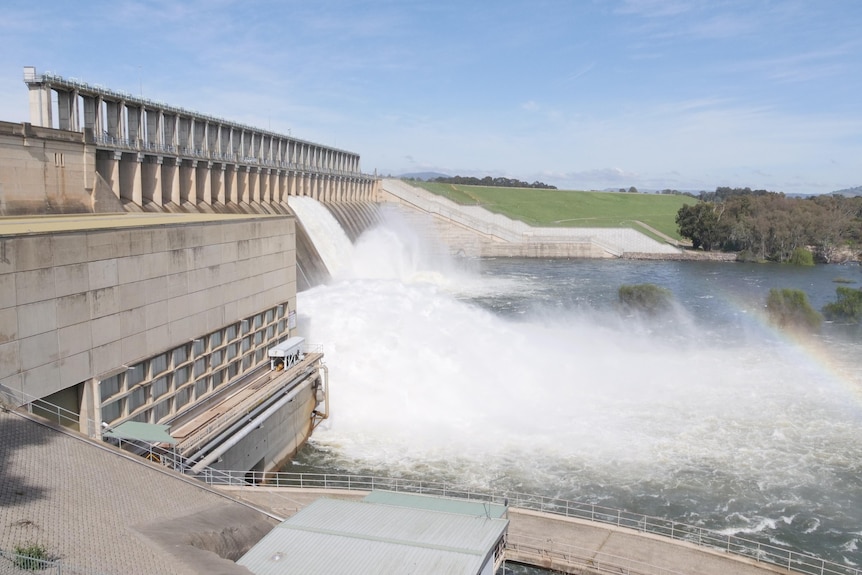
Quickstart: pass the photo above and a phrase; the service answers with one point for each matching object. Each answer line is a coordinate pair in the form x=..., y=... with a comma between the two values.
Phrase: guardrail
x=11, y=562
x=536, y=552
x=668, y=528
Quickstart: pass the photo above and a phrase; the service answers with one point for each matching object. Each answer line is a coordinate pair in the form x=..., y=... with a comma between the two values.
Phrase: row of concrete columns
x=124, y=123
x=144, y=179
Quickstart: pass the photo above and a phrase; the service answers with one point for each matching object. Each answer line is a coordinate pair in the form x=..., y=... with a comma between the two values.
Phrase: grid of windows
x=158, y=387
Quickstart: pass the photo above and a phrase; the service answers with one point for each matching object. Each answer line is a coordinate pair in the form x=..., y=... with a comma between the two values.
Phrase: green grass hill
x=568, y=208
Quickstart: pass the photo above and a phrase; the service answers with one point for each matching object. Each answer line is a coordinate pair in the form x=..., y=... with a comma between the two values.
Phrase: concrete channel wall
x=474, y=231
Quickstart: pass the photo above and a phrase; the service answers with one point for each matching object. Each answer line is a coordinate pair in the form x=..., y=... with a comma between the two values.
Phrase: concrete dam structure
x=162, y=266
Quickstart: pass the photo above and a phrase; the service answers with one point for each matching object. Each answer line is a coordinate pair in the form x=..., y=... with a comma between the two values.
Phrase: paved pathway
x=105, y=512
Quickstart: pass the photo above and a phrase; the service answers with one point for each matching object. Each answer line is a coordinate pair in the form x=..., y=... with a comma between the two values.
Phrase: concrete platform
x=558, y=543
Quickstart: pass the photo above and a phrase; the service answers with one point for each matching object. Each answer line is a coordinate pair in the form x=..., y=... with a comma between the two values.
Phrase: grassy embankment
x=565, y=208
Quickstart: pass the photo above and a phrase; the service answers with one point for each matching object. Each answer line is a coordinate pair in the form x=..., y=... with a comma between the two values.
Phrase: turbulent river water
x=523, y=375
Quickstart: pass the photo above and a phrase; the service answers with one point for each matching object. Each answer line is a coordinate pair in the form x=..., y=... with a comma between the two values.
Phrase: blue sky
x=582, y=94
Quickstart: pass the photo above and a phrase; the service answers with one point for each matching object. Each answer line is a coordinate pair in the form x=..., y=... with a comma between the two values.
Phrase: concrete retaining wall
x=281, y=435
x=44, y=171
x=76, y=305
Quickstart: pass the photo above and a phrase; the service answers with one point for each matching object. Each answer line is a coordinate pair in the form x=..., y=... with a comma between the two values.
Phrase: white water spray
x=424, y=382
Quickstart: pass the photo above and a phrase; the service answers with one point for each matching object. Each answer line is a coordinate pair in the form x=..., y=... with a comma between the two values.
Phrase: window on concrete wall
x=109, y=387
x=218, y=378
x=181, y=355
x=162, y=410
x=160, y=386
x=159, y=364
x=143, y=417
x=232, y=331
x=201, y=388
x=215, y=339
x=113, y=410
x=216, y=358
x=183, y=396
x=200, y=367
x=137, y=398
x=199, y=346
x=135, y=375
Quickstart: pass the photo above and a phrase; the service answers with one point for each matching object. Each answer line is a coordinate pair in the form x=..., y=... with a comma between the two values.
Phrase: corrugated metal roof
x=335, y=536
x=444, y=504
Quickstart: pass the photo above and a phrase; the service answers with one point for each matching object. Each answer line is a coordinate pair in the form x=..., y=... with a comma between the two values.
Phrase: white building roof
x=361, y=537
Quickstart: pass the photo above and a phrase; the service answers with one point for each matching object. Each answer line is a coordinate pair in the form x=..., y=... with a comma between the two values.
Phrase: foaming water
x=532, y=381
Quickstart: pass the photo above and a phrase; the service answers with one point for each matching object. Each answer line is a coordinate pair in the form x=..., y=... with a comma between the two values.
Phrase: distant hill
x=425, y=176
x=856, y=191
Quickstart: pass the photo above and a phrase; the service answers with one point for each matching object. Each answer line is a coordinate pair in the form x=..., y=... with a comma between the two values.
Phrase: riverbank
x=682, y=255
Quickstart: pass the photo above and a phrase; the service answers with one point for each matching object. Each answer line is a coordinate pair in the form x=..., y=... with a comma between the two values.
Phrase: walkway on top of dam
x=572, y=545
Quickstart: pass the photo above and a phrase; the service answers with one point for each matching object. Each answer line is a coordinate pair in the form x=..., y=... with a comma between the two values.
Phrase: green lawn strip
x=568, y=208
x=448, y=191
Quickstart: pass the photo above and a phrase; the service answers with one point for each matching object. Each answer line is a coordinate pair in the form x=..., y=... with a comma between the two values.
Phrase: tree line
x=763, y=225
x=492, y=182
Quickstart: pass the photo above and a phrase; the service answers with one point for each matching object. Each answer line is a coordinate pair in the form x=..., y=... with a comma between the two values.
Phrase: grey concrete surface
x=104, y=512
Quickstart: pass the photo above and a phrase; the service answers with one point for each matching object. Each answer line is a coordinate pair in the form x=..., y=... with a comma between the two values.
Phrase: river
x=523, y=375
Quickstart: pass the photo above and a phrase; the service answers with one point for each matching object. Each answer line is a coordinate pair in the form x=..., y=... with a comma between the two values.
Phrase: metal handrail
x=667, y=528
x=748, y=548
x=588, y=559
x=22, y=563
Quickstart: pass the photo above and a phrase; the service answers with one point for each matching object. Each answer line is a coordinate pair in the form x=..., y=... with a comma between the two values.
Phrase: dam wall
x=134, y=317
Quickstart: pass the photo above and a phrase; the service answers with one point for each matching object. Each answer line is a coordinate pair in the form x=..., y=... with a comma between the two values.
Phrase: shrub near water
x=789, y=308
x=847, y=307
x=646, y=298
x=801, y=257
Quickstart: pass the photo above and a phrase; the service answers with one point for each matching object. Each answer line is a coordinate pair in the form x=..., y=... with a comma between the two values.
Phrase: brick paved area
x=110, y=514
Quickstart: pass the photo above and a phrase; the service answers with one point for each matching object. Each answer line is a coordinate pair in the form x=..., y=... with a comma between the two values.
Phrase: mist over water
x=522, y=375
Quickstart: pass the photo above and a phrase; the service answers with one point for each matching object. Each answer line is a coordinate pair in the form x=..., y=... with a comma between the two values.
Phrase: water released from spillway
x=522, y=375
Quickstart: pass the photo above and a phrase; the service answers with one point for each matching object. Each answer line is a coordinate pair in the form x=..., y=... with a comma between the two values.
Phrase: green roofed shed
x=444, y=505
x=136, y=430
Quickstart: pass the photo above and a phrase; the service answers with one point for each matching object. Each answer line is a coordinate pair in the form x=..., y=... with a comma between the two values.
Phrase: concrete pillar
x=281, y=186
x=231, y=184
x=291, y=183
x=67, y=111
x=203, y=184
x=131, y=185
x=218, y=188
x=171, y=180
x=40, y=106
x=191, y=191
x=151, y=185
x=254, y=175
x=242, y=184
x=113, y=174
x=265, y=185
